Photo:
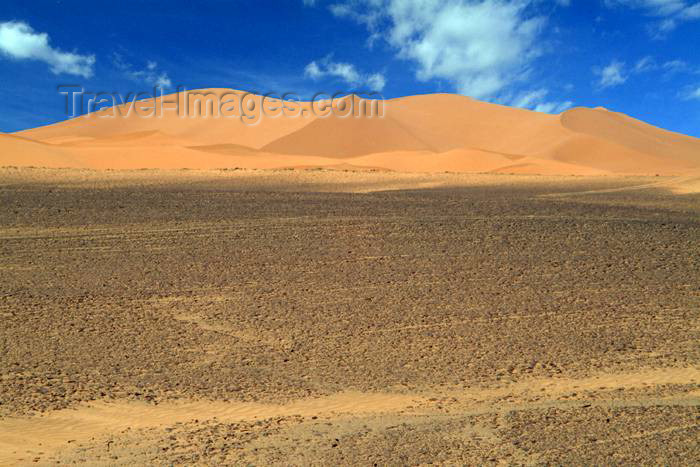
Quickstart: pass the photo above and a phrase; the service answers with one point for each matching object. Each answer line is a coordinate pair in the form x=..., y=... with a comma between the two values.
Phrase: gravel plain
x=347, y=318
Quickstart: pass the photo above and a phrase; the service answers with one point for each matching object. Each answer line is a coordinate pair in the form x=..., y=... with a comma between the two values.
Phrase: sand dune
x=605, y=155
x=22, y=152
x=536, y=166
x=347, y=137
x=185, y=125
x=456, y=160
x=619, y=129
x=427, y=133
x=450, y=121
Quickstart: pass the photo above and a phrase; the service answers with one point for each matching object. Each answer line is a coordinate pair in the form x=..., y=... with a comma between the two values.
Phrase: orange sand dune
x=138, y=138
x=426, y=133
x=456, y=160
x=187, y=125
x=348, y=137
x=535, y=166
x=615, y=158
x=21, y=152
x=448, y=121
x=622, y=130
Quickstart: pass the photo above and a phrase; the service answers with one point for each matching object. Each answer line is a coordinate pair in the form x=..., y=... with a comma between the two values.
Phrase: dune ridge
x=424, y=133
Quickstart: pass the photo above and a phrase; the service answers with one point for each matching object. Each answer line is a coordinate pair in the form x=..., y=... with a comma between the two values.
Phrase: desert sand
x=425, y=133
x=457, y=283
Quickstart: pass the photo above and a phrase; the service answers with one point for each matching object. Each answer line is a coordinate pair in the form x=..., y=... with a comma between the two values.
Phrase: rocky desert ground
x=321, y=317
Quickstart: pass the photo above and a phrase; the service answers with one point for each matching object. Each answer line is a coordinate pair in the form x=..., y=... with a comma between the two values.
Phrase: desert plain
x=299, y=308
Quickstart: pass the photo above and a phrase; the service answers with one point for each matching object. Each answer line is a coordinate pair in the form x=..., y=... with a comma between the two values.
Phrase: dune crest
x=425, y=133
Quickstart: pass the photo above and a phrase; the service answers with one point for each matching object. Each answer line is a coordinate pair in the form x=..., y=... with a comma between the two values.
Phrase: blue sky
x=639, y=57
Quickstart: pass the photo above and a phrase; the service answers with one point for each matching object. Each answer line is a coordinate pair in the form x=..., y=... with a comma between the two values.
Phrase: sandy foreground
x=348, y=317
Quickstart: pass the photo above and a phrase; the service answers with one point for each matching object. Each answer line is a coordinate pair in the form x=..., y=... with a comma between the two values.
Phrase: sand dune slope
x=427, y=133
x=449, y=121
x=456, y=160
x=22, y=152
x=619, y=129
x=347, y=137
x=609, y=156
x=190, y=122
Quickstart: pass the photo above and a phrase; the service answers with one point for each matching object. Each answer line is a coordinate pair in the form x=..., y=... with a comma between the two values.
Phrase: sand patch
x=46, y=433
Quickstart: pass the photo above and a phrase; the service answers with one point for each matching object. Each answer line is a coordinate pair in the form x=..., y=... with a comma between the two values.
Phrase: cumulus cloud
x=345, y=72
x=669, y=12
x=150, y=75
x=376, y=81
x=20, y=42
x=479, y=47
x=612, y=75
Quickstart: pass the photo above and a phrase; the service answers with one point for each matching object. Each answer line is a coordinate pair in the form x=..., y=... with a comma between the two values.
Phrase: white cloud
x=345, y=72
x=553, y=107
x=369, y=13
x=535, y=100
x=163, y=81
x=669, y=12
x=669, y=67
x=376, y=81
x=618, y=72
x=612, y=75
x=675, y=66
x=528, y=99
x=645, y=64
x=150, y=75
x=19, y=41
x=480, y=47
x=693, y=93
x=313, y=71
